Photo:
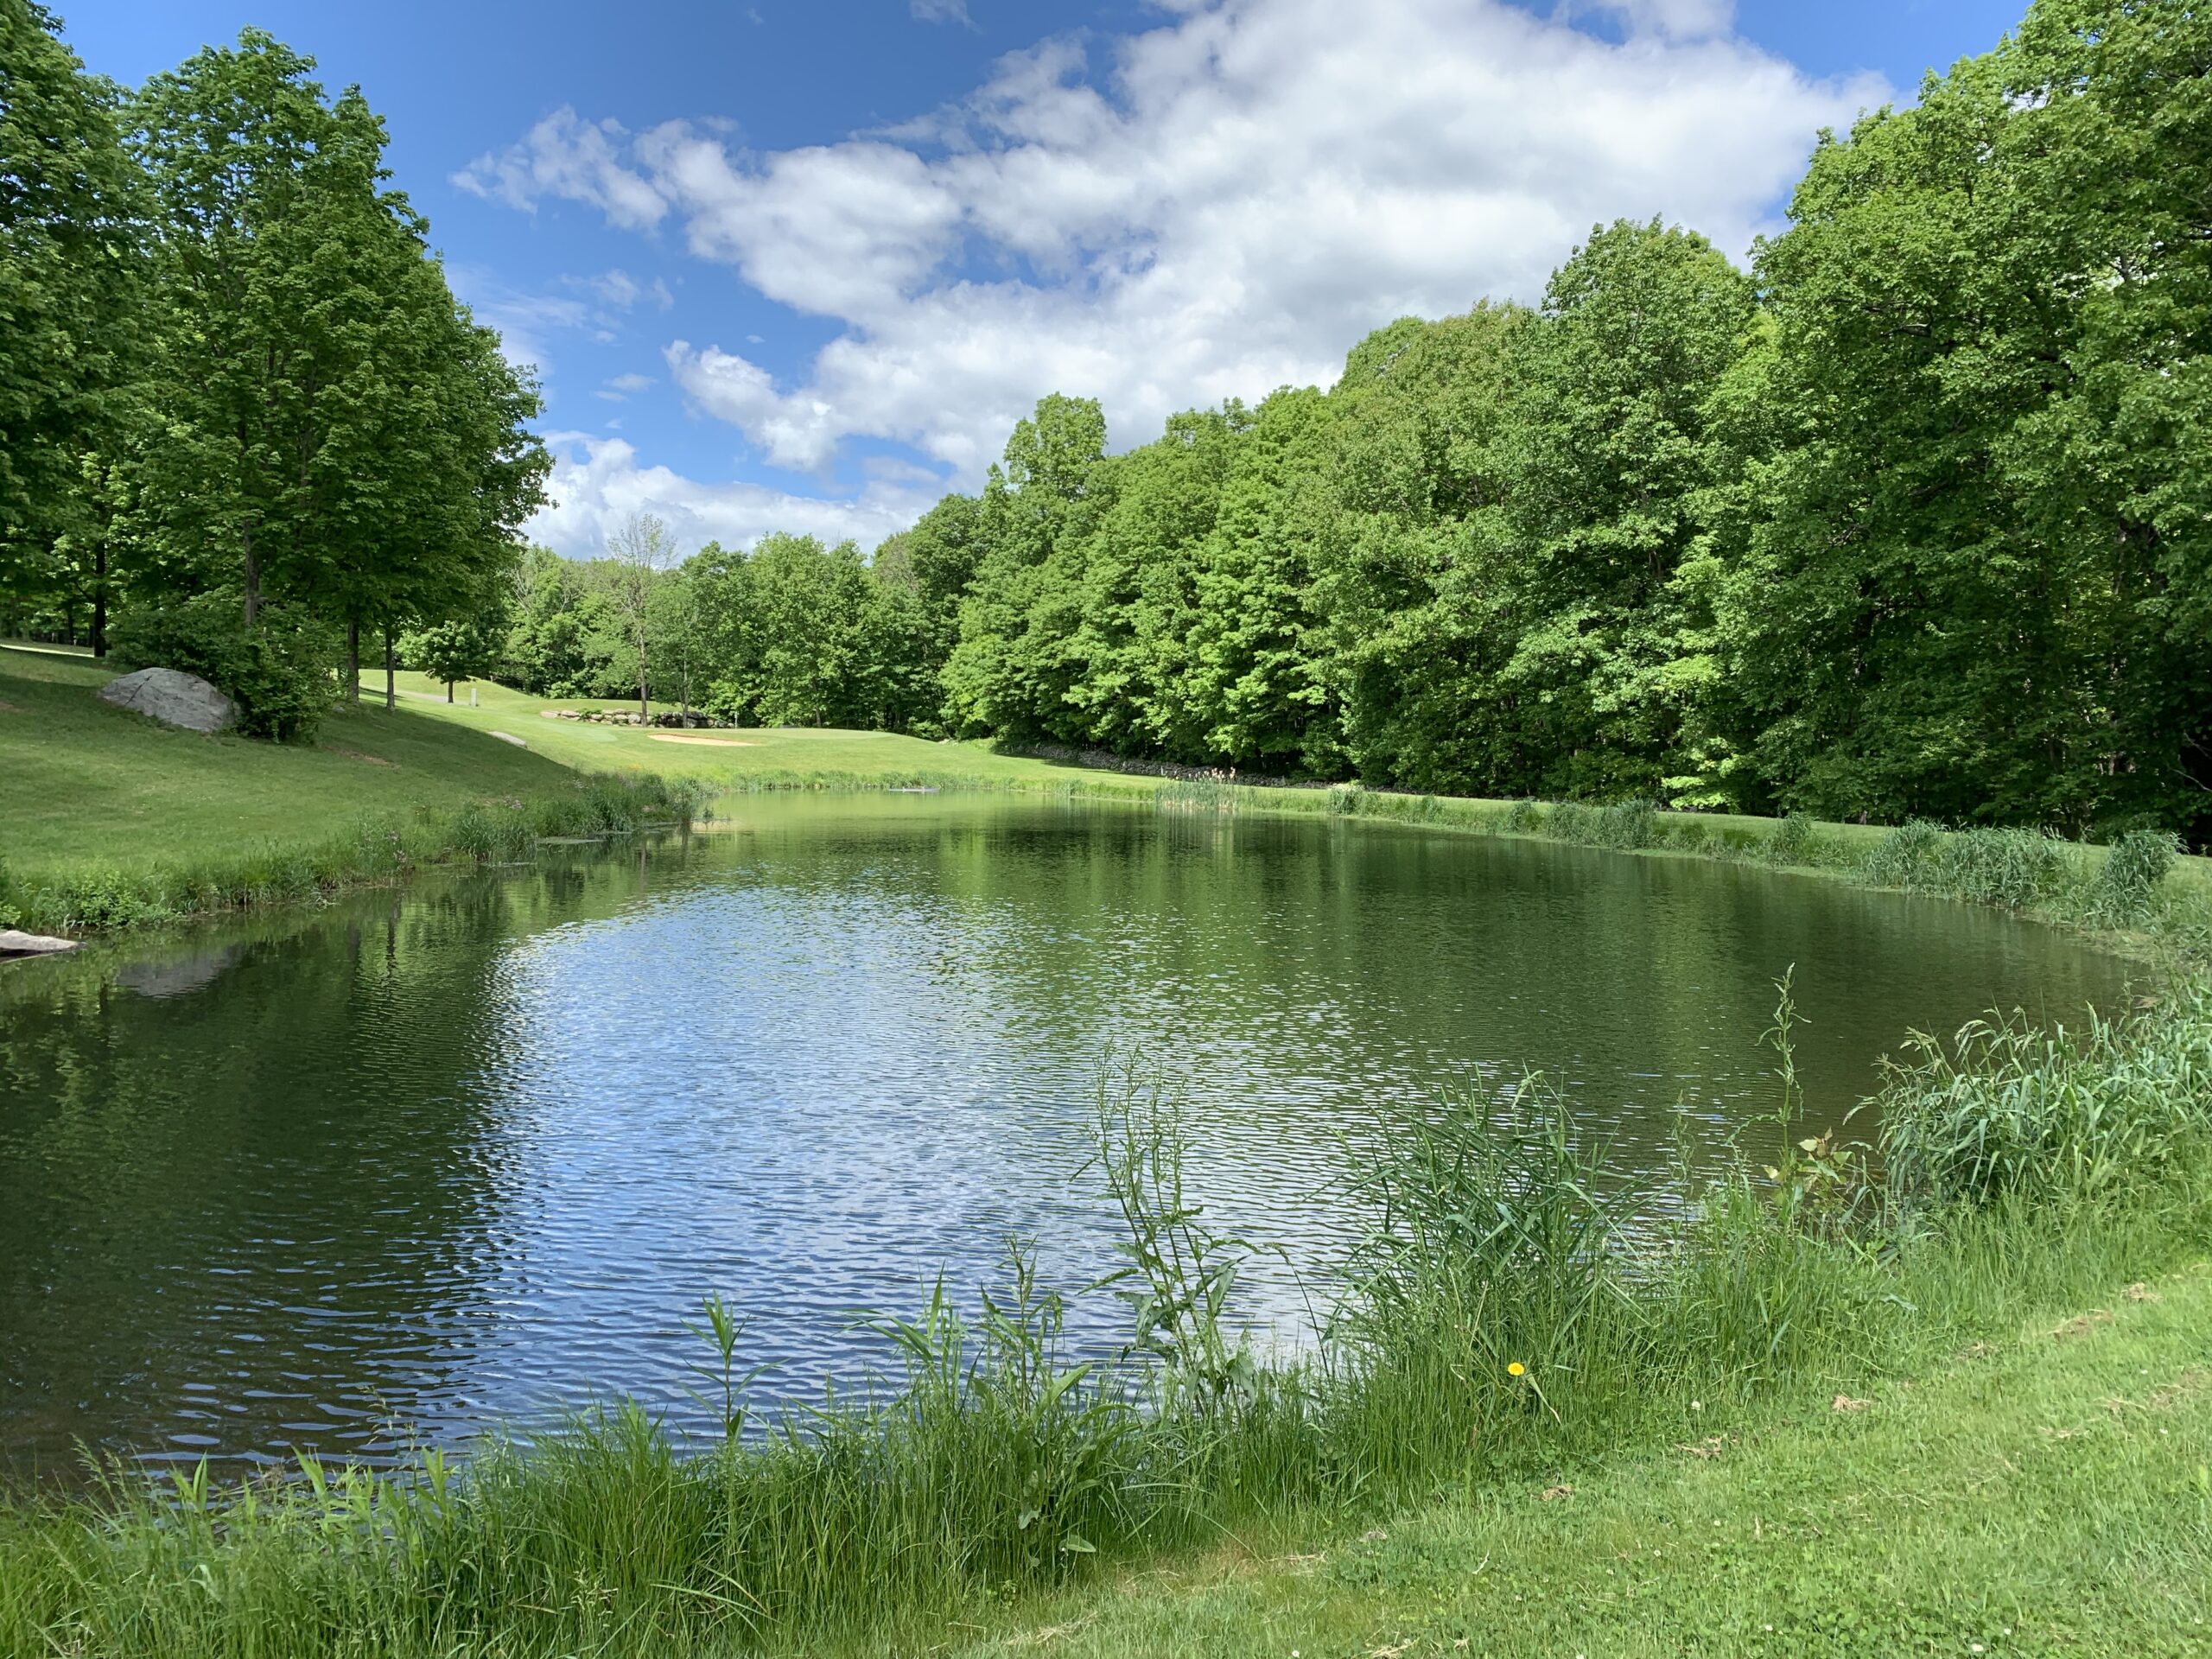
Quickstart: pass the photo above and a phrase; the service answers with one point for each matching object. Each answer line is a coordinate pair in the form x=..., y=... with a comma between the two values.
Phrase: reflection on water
x=425, y=1163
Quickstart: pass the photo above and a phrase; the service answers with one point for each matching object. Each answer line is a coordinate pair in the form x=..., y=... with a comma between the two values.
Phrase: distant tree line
x=791, y=633
x=244, y=423
x=1913, y=518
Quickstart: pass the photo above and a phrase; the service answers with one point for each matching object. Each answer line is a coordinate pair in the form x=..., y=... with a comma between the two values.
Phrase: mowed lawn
x=2051, y=1495
x=741, y=758
x=84, y=784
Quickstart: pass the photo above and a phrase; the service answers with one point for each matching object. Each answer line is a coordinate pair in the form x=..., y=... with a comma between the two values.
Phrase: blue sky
x=799, y=266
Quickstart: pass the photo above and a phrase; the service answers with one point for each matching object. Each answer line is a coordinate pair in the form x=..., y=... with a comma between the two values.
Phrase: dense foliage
x=237, y=395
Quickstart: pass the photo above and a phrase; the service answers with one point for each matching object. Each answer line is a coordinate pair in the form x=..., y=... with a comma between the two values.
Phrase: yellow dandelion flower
x=1517, y=1369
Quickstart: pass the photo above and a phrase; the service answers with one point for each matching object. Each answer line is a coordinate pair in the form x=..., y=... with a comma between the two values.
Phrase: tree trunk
x=253, y=584
x=354, y=659
x=645, y=711
x=390, y=672
x=100, y=601
x=448, y=690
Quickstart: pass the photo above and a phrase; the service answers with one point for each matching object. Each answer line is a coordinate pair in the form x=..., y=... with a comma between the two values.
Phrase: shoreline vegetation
x=432, y=760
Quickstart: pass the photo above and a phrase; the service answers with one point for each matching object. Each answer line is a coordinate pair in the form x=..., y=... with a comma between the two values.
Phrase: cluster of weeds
x=1794, y=842
x=1203, y=795
x=1624, y=826
x=2007, y=1106
x=2125, y=886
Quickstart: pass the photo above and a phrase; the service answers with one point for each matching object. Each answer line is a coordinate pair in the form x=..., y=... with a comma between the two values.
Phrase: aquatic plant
x=1624, y=826
x=1215, y=795
x=2006, y=1106
x=1793, y=842
x=2127, y=882
x=2010, y=869
x=1910, y=856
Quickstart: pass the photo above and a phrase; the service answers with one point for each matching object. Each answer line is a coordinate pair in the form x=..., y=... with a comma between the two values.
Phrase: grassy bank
x=735, y=760
x=112, y=819
x=2044, y=1492
x=2015, y=869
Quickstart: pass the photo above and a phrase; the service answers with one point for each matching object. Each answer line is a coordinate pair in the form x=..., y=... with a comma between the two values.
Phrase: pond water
x=467, y=1155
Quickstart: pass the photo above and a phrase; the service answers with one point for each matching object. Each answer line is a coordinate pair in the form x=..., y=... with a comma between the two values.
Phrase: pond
x=469, y=1154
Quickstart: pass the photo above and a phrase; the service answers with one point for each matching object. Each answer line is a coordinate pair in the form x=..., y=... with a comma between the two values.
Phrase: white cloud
x=799, y=432
x=598, y=483
x=621, y=386
x=618, y=290
x=568, y=157
x=1220, y=204
x=940, y=12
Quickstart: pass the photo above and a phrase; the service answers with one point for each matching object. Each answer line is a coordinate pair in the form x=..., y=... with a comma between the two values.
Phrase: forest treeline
x=1912, y=518
x=244, y=421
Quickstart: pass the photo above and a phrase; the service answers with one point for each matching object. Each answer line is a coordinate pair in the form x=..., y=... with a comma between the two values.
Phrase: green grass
x=769, y=758
x=2041, y=1494
x=112, y=820
x=91, y=783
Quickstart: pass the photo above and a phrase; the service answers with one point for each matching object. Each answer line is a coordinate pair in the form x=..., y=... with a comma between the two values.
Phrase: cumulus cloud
x=1219, y=205
x=598, y=482
x=567, y=156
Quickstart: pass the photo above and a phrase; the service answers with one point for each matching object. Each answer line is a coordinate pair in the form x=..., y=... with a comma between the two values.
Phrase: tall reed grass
x=1216, y=796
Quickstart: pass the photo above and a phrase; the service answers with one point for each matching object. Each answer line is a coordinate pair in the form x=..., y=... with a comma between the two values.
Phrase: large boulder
x=13, y=944
x=173, y=698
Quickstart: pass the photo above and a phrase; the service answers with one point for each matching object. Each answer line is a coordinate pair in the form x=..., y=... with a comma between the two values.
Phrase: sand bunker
x=716, y=742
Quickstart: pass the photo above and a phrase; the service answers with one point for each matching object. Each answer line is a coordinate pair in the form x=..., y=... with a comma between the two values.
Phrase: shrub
x=2129, y=879
x=1346, y=799
x=99, y=898
x=1910, y=856
x=1792, y=841
x=280, y=674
